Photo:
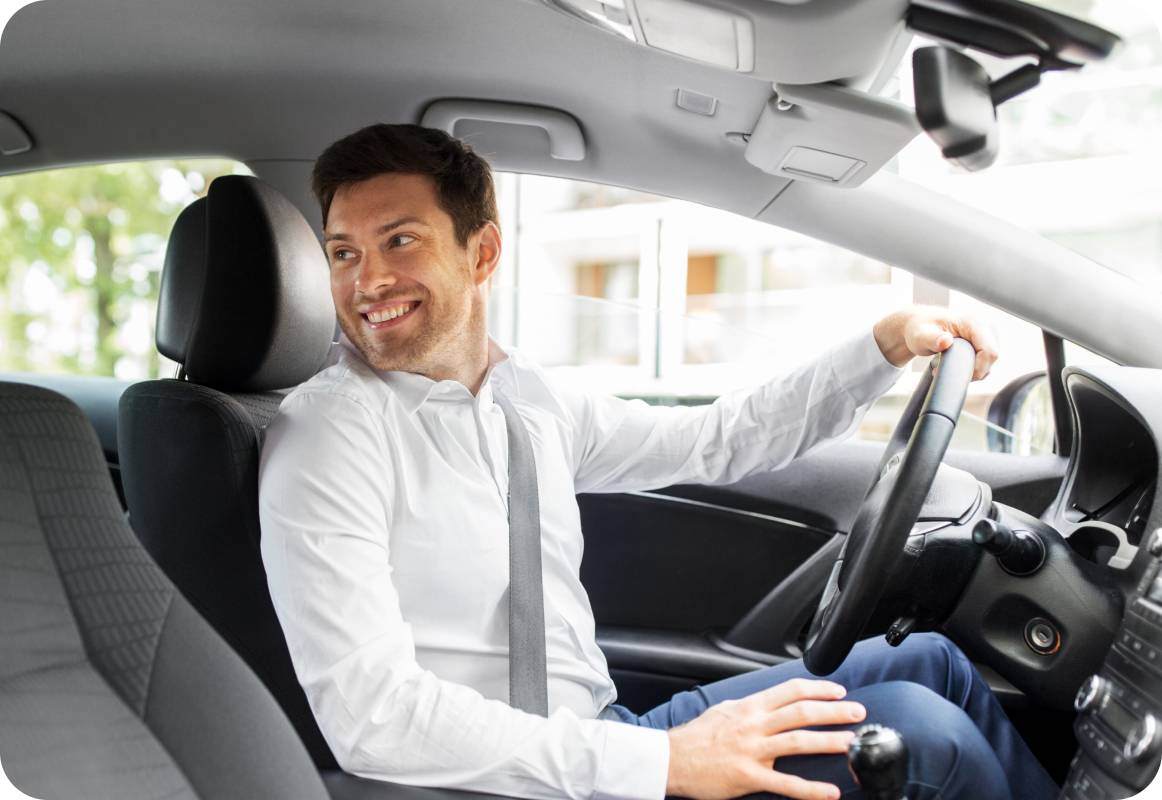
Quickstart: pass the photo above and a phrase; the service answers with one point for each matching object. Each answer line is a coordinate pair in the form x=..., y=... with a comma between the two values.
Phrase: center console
x=1119, y=722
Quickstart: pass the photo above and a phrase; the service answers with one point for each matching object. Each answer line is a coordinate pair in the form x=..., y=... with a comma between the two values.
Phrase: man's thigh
x=922, y=659
x=913, y=688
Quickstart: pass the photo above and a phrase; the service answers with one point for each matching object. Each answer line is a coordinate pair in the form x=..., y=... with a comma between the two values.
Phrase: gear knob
x=878, y=759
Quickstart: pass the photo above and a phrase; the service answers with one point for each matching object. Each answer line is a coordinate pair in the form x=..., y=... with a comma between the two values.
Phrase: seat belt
x=527, y=673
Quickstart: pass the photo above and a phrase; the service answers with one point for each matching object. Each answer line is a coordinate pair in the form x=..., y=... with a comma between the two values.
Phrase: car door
x=626, y=293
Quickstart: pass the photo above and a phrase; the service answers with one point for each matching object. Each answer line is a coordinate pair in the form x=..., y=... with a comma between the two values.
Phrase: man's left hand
x=927, y=330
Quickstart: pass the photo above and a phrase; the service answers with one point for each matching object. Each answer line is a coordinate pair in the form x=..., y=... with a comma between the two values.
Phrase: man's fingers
x=984, y=363
x=797, y=788
x=806, y=713
x=790, y=691
x=934, y=337
x=806, y=743
x=983, y=341
x=931, y=338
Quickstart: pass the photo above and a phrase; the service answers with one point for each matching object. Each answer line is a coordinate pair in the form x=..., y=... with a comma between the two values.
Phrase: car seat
x=245, y=309
x=111, y=684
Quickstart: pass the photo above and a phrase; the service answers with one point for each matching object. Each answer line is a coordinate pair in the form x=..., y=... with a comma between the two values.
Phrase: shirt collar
x=413, y=389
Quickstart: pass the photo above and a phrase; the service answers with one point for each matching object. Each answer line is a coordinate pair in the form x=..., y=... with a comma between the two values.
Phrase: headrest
x=245, y=302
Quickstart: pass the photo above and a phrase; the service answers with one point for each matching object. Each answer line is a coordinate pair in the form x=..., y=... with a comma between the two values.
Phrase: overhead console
x=827, y=62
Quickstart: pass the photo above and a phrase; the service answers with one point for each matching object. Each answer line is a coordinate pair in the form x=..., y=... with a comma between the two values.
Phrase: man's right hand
x=732, y=748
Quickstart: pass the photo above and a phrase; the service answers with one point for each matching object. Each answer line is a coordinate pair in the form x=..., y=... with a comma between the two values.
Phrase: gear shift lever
x=878, y=758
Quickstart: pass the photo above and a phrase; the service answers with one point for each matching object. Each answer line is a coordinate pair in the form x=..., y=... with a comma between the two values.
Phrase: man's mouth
x=386, y=316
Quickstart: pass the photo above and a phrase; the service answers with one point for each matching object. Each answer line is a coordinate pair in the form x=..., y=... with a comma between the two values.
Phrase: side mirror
x=954, y=105
x=1020, y=417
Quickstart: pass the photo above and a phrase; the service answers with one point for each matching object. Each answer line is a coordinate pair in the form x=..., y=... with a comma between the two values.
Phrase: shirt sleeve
x=628, y=445
x=325, y=512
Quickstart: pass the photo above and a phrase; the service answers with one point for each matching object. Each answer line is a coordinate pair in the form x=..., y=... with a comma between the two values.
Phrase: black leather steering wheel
x=890, y=509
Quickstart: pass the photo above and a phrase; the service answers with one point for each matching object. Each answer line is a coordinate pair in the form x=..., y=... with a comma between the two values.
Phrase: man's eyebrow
x=382, y=229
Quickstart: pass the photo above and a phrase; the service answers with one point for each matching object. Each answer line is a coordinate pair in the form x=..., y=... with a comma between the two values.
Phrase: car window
x=81, y=252
x=645, y=296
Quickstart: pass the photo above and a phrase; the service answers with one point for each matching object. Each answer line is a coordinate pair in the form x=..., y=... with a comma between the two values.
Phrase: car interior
x=140, y=654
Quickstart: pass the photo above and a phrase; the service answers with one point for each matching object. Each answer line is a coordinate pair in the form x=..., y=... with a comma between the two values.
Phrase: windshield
x=1079, y=160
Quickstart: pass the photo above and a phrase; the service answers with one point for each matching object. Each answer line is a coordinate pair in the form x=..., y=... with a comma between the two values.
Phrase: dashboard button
x=1143, y=739
x=1093, y=695
x=1155, y=546
x=1154, y=593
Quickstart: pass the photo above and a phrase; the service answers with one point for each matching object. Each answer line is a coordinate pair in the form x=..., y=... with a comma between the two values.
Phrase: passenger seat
x=111, y=684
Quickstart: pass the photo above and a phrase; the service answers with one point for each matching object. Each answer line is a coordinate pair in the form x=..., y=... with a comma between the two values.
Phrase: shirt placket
x=492, y=439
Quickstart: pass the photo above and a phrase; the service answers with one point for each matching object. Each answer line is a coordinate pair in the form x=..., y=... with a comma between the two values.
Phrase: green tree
x=80, y=255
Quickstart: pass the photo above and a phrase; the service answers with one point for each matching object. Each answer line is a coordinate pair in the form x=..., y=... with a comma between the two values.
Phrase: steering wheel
x=890, y=509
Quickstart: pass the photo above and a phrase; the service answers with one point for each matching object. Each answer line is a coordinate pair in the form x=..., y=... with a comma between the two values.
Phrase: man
x=386, y=536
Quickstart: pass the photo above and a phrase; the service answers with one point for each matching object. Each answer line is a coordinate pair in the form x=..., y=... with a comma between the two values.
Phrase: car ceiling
x=272, y=84
x=96, y=80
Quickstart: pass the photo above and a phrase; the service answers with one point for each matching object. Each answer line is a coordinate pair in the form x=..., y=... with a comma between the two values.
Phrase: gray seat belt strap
x=527, y=675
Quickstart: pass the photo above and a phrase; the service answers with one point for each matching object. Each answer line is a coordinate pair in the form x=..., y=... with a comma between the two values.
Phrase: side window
x=644, y=296
x=82, y=255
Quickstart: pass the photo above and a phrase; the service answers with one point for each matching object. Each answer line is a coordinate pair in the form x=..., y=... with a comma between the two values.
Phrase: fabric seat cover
x=111, y=684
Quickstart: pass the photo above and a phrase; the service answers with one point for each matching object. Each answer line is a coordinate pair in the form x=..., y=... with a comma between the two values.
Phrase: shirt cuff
x=860, y=367
x=635, y=763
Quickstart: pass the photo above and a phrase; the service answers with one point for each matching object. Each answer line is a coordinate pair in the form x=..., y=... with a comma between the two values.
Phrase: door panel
x=668, y=563
x=692, y=581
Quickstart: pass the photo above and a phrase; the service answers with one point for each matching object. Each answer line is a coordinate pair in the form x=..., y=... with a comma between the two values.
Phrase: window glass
x=643, y=296
x=1079, y=160
x=82, y=256
x=1078, y=356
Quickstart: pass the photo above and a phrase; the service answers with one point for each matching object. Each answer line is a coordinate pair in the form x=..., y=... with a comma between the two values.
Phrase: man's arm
x=622, y=445
x=325, y=512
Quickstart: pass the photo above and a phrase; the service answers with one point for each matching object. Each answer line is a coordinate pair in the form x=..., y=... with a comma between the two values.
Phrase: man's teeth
x=384, y=314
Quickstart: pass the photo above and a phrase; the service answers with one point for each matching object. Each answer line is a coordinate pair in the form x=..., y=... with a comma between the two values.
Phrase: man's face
x=406, y=292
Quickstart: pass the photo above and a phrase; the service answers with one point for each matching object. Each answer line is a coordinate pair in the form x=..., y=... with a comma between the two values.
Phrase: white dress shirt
x=385, y=540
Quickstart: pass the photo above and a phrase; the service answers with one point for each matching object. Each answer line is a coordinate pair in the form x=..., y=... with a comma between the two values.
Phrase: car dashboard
x=1106, y=511
x=1105, y=506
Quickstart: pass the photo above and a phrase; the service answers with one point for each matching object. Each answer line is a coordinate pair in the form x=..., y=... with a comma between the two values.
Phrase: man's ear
x=487, y=252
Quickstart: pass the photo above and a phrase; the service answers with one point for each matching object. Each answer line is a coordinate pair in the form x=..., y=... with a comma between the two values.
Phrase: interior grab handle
x=566, y=141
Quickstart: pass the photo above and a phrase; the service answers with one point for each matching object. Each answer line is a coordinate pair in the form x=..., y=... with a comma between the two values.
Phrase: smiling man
x=386, y=505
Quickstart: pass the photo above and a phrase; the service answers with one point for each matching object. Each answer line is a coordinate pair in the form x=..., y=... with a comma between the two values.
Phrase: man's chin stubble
x=407, y=356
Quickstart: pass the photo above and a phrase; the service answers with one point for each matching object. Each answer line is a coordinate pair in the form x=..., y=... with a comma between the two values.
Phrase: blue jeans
x=960, y=743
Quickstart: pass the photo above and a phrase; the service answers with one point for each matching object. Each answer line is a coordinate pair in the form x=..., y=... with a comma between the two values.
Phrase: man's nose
x=375, y=273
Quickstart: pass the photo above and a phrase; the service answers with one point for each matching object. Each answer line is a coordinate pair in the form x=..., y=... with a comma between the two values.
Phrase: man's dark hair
x=463, y=179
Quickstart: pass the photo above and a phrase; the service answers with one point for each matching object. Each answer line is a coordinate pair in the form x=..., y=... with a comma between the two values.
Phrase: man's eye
x=342, y=255
x=400, y=239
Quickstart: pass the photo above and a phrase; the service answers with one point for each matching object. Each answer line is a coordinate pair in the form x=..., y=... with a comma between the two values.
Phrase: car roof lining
x=227, y=78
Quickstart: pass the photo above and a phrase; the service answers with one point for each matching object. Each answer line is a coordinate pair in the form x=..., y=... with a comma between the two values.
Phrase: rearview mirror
x=954, y=105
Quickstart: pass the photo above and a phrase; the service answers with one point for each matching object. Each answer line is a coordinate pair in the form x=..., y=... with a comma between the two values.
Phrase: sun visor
x=828, y=134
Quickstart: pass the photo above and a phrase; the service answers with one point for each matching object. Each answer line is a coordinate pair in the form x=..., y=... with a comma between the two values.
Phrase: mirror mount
x=956, y=100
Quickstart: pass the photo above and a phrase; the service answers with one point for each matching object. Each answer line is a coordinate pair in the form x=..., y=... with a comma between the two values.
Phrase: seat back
x=111, y=684
x=245, y=308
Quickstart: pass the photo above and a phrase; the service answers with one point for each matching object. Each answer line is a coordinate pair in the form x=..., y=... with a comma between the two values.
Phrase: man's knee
x=942, y=665
x=948, y=755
